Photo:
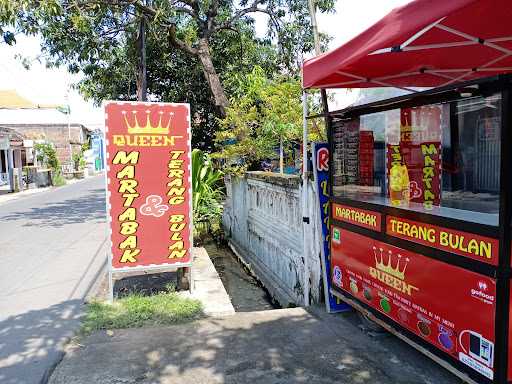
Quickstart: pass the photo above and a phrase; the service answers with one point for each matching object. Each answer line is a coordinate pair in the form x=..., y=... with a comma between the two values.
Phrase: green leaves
x=46, y=154
x=263, y=112
x=206, y=188
x=97, y=38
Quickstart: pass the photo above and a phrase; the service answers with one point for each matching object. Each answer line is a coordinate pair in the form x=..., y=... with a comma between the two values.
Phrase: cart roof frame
x=479, y=87
x=426, y=43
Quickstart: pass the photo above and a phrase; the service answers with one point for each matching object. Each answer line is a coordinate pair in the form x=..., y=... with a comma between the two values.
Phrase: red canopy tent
x=426, y=43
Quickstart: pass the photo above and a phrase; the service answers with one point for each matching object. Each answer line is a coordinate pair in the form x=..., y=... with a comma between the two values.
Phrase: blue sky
x=50, y=86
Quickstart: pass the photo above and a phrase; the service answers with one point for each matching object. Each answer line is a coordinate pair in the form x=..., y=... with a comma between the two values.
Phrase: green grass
x=139, y=311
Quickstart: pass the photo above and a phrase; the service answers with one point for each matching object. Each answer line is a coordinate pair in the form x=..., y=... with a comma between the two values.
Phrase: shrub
x=47, y=156
x=206, y=191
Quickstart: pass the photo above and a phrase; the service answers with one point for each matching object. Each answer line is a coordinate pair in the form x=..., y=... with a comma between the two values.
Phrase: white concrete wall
x=263, y=222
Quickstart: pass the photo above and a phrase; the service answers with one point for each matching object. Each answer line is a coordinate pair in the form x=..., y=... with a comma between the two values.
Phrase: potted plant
x=80, y=164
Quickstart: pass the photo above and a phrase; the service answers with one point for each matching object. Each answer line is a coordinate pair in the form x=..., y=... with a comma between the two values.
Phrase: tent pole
x=305, y=216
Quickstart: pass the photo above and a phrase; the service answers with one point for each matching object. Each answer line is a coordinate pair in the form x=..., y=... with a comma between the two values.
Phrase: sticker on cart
x=445, y=338
x=336, y=236
x=337, y=276
x=477, y=352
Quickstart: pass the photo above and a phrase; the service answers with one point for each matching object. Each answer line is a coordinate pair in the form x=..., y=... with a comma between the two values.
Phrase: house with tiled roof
x=43, y=122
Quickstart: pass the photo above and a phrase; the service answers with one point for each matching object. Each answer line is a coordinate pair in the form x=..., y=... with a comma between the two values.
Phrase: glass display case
x=441, y=159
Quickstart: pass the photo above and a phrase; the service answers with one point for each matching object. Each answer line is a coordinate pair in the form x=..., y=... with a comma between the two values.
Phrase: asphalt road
x=52, y=248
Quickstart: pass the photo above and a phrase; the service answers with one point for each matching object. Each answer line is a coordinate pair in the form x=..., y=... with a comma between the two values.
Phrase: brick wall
x=57, y=134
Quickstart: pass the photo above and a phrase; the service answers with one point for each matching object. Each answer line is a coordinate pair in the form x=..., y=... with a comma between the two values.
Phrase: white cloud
x=43, y=85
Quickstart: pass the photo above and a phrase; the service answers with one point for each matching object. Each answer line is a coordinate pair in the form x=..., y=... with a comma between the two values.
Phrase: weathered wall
x=263, y=222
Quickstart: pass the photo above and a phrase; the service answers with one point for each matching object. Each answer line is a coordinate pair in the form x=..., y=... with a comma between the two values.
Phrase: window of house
x=443, y=159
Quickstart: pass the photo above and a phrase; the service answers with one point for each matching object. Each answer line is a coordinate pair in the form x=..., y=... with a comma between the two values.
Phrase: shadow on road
x=28, y=340
x=90, y=208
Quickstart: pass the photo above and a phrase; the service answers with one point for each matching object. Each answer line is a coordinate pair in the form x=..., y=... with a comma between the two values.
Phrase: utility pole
x=141, y=68
x=68, y=112
x=318, y=49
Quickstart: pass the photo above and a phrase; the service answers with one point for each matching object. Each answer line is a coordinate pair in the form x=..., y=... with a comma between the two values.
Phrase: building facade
x=15, y=153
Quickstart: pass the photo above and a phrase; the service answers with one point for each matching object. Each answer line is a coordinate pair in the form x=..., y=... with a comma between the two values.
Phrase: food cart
x=420, y=185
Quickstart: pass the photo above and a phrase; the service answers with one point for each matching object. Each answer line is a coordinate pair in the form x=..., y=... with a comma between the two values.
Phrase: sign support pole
x=190, y=281
x=107, y=210
x=110, y=280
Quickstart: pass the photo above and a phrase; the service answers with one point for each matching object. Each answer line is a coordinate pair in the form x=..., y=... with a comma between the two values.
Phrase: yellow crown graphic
x=147, y=129
x=396, y=271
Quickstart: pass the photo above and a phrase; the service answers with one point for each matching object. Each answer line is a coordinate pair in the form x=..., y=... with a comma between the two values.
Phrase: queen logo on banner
x=149, y=188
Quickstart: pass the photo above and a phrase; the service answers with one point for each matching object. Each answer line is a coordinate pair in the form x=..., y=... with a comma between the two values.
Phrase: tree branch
x=147, y=10
x=151, y=12
x=188, y=11
x=174, y=41
x=242, y=12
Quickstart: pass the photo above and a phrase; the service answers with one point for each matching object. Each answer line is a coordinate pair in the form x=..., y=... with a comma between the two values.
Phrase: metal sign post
x=305, y=218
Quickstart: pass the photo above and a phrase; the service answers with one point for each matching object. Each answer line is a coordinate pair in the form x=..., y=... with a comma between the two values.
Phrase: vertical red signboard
x=149, y=186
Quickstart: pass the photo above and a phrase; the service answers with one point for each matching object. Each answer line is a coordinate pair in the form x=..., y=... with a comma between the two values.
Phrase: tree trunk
x=314, y=26
x=221, y=101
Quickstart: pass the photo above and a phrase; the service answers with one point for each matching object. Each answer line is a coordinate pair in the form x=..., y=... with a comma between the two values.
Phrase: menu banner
x=148, y=180
x=461, y=243
x=360, y=217
x=449, y=307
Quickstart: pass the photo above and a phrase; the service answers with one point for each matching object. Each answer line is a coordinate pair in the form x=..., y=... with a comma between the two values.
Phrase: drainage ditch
x=245, y=292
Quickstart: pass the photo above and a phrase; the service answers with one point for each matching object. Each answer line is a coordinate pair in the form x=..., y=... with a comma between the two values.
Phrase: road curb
x=49, y=371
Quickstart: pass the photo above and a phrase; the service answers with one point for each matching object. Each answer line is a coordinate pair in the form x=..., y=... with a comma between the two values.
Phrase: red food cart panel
x=451, y=308
x=360, y=217
x=474, y=246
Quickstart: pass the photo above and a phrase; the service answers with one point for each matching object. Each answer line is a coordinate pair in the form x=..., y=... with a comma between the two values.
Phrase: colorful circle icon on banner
x=445, y=338
x=424, y=328
x=403, y=315
x=367, y=292
x=353, y=287
x=385, y=305
x=337, y=276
